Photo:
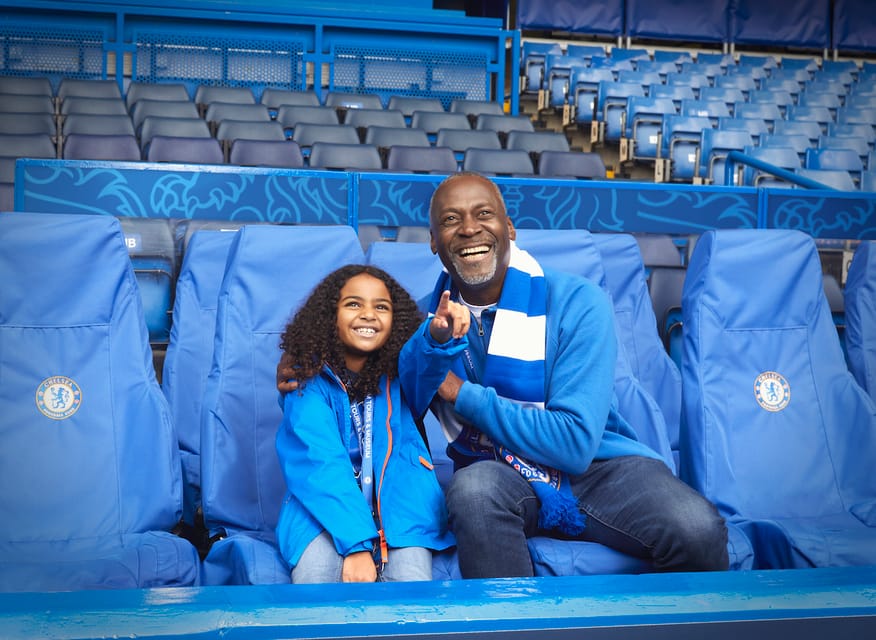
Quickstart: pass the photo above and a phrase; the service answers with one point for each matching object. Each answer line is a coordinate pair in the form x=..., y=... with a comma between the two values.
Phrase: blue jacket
x=580, y=421
x=322, y=491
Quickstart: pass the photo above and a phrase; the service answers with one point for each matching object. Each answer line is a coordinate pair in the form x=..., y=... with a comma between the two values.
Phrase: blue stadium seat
x=219, y=111
x=665, y=285
x=584, y=89
x=625, y=275
x=474, y=108
x=767, y=111
x=197, y=150
x=98, y=124
x=715, y=144
x=152, y=126
x=343, y=100
x=643, y=126
x=860, y=312
x=532, y=64
x=153, y=255
x=559, y=69
x=783, y=440
x=744, y=82
x=207, y=94
x=838, y=179
x=681, y=145
x=80, y=146
x=836, y=158
x=99, y=106
x=162, y=108
x=14, y=146
x=291, y=115
x=806, y=113
x=266, y=153
x=675, y=92
x=89, y=464
x=345, y=157
x=506, y=162
x=274, y=98
x=611, y=104
x=385, y=137
x=158, y=91
x=503, y=125
x=364, y=118
x=587, y=165
x=307, y=133
x=782, y=157
x=782, y=99
x=26, y=85
x=190, y=351
x=459, y=140
x=20, y=103
x=87, y=88
x=705, y=108
x=242, y=485
x=419, y=159
x=24, y=124
x=757, y=127
x=408, y=104
x=433, y=121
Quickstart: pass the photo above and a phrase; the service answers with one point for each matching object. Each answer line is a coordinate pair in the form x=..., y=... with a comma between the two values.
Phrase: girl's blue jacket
x=322, y=492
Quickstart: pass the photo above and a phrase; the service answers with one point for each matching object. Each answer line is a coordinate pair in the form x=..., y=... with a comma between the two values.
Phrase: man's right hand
x=286, y=375
x=451, y=320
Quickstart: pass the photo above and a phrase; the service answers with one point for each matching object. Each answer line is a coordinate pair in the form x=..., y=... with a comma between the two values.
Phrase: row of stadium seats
x=645, y=105
x=91, y=120
x=217, y=410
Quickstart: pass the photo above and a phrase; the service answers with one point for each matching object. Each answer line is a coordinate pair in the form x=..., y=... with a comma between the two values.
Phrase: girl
x=363, y=502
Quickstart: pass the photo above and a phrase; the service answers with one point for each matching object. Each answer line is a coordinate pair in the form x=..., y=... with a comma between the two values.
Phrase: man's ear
x=432, y=244
x=512, y=232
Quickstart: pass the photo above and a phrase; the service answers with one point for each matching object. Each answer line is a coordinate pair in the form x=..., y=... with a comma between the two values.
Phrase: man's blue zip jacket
x=580, y=421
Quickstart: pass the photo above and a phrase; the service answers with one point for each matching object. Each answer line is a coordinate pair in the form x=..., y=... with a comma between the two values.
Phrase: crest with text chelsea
x=58, y=397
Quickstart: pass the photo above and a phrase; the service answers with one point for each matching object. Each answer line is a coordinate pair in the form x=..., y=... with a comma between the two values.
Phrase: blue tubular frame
x=737, y=157
x=217, y=25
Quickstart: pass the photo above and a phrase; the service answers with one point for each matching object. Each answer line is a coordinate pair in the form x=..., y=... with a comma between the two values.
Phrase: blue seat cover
x=89, y=469
x=269, y=272
x=190, y=351
x=776, y=432
x=860, y=306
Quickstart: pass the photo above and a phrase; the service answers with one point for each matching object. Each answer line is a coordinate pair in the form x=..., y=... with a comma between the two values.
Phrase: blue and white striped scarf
x=514, y=367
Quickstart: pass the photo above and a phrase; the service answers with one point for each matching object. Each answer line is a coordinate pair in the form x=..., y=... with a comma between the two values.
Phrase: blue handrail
x=735, y=157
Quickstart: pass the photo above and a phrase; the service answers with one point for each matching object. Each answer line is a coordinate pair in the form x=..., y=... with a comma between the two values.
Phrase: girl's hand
x=359, y=567
x=451, y=320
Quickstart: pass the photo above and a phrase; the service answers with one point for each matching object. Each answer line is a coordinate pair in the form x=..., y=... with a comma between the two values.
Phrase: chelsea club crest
x=58, y=397
x=772, y=391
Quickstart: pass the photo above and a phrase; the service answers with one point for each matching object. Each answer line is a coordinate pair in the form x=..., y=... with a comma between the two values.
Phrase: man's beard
x=475, y=279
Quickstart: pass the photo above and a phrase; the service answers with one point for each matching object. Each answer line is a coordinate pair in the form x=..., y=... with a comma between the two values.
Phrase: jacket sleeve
x=579, y=380
x=422, y=365
x=317, y=469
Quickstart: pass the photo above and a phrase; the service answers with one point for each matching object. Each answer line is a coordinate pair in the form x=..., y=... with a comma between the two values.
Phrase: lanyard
x=364, y=429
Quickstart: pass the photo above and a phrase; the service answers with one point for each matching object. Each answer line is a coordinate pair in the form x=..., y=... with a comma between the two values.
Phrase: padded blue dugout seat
x=89, y=471
x=650, y=363
x=270, y=270
x=777, y=432
x=860, y=308
x=190, y=351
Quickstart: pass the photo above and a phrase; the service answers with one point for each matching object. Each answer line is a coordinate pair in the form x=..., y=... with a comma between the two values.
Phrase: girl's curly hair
x=311, y=338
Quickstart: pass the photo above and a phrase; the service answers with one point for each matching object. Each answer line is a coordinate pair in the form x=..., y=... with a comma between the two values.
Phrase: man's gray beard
x=476, y=279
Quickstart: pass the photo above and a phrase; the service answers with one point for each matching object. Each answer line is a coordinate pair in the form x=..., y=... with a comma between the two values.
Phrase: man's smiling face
x=472, y=234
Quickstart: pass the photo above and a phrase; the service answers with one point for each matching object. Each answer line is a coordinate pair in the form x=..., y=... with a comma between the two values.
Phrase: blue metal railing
x=737, y=157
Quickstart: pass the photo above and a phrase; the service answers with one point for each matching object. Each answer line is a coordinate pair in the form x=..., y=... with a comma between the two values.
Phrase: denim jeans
x=632, y=504
x=321, y=563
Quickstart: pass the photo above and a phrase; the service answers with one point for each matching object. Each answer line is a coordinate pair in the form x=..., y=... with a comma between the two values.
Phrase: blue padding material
x=411, y=263
x=566, y=15
x=89, y=468
x=860, y=306
x=854, y=25
x=649, y=361
x=798, y=23
x=678, y=19
x=190, y=351
x=776, y=432
x=269, y=272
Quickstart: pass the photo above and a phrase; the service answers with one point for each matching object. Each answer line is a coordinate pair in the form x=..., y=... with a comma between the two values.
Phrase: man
x=528, y=406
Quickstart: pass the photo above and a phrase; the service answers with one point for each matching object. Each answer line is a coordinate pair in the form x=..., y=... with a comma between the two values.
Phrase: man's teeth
x=365, y=331
x=471, y=251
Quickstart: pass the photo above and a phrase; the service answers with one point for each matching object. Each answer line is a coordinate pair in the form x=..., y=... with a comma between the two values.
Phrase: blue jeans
x=632, y=504
x=321, y=563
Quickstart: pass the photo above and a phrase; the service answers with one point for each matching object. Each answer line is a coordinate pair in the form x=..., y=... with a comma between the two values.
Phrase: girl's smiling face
x=364, y=318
